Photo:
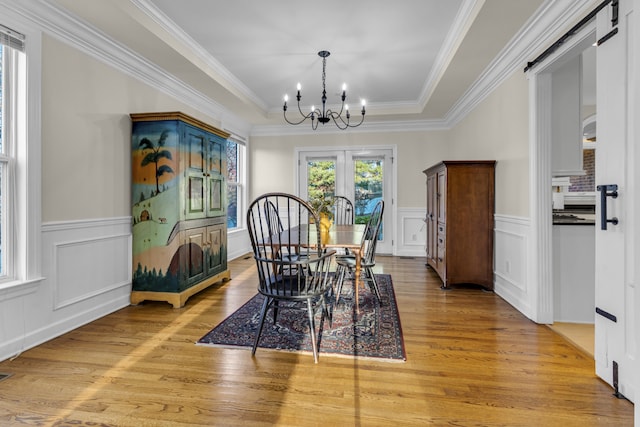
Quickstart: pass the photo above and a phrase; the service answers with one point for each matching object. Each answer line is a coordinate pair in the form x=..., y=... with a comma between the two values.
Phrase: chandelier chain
x=324, y=73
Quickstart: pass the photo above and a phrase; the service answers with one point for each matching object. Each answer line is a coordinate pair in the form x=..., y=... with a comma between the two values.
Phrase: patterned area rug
x=373, y=333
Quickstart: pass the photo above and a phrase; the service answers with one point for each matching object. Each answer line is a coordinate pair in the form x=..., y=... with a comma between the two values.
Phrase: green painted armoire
x=179, y=170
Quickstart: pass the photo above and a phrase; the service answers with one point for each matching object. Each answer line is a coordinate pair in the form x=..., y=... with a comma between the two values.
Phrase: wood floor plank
x=472, y=359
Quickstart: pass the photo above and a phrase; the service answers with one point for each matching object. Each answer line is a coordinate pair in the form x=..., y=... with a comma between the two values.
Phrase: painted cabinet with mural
x=178, y=191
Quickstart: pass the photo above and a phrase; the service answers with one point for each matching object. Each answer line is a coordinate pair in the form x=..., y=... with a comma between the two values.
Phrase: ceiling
x=409, y=59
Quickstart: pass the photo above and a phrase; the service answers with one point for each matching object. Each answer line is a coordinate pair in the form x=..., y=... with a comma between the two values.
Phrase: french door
x=364, y=176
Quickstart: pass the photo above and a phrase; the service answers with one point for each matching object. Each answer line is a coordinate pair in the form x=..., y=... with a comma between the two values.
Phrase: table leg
x=356, y=280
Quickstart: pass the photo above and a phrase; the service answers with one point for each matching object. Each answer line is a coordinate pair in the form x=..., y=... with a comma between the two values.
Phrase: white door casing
x=615, y=326
x=344, y=160
x=540, y=276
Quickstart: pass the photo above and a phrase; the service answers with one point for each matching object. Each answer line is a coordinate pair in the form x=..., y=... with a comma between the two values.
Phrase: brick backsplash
x=586, y=182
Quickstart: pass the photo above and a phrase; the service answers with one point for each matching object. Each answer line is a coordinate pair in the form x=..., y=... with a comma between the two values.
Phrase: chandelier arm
x=346, y=124
x=335, y=122
x=335, y=116
x=296, y=123
x=306, y=116
x=361, y=121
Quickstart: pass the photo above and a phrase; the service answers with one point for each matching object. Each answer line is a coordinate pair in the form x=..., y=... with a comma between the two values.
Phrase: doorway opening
x=553, y=162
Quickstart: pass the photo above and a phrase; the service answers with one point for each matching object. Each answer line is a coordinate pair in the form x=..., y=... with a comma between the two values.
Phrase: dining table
x=338, y=236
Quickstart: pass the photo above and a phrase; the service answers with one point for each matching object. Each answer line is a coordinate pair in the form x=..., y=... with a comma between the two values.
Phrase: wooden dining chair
x=343, y=213
x=300, y=283
x=346, y=264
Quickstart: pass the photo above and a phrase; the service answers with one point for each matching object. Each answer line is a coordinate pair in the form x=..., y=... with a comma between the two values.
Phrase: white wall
x=87, y=133
x=498, y=129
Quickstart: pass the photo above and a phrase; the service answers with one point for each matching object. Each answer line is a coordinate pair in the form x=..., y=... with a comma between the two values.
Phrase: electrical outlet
x=507, y=266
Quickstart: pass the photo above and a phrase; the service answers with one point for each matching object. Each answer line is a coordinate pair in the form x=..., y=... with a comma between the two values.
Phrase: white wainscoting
x=87, y=274
x=238, y=243
x=412, y=232
x=511, y=262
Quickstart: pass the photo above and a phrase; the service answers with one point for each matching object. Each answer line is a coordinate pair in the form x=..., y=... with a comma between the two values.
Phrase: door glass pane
x=321, y=178
x=368, y=184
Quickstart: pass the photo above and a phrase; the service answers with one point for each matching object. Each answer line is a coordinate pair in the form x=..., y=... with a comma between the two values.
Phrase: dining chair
x=299, y=283
x=343, y=213
x=346, y=264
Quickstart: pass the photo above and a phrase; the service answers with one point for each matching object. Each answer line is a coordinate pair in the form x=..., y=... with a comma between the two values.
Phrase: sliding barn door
x=616, y=181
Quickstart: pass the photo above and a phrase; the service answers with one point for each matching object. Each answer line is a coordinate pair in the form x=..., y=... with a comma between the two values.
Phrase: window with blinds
x=12, y=39
x=12, y=46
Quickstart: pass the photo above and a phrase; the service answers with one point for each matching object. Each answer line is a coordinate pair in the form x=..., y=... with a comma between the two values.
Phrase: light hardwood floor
x=472, y=360
x=580, y=334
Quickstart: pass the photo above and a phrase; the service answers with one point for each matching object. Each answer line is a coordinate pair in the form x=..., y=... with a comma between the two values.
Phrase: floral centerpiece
x=322, y=206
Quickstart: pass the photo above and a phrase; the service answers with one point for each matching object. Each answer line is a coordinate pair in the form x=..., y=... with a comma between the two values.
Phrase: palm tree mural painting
x=155, y=155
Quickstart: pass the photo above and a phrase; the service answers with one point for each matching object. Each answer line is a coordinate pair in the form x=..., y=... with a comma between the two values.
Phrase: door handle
x=608, y=190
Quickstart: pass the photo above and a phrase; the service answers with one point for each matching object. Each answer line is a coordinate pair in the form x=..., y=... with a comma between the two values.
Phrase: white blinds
x=11, y=38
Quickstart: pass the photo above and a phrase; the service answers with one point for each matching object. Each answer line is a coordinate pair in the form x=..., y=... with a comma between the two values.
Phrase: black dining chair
x=346, y=264
x=342, y=210
x=299, y=282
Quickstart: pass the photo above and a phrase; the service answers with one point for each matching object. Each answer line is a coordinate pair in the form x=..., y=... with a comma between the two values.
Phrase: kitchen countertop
x=573, y=218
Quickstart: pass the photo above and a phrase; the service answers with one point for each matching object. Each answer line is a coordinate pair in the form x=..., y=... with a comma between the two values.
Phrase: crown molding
x=539, y=32
x=366, y=127
x=229, y=81
x=461, y=24
x=70, y=30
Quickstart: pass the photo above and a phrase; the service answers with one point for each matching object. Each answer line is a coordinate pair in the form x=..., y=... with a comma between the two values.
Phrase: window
x=235, y=183
x=11, y=74
x=20, y=173
x=4, y=161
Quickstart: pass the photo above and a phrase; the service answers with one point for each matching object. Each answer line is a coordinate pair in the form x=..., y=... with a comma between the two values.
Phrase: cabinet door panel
x=196, y=197
x=216, y=258
x=195, y=247
x=215, y=155
x=431, y=218
x=216, y=204
x=195, y=144
x=195, y=173
x=442, y=196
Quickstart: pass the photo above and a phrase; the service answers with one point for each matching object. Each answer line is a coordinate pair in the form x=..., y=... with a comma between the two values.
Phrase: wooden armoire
x=179, y=170
x=460, y=223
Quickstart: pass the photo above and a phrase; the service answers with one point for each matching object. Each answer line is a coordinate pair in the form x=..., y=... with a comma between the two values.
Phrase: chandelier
x=325, y=115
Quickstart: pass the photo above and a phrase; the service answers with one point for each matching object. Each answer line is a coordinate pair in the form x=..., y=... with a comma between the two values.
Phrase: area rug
x=373, y=333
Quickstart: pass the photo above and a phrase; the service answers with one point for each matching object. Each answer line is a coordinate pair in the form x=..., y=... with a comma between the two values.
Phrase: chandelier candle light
x=325, y=115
